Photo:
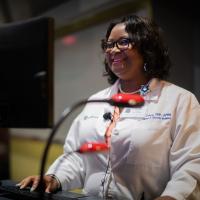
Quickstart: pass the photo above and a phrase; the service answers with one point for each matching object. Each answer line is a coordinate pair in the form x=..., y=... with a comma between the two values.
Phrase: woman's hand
x=165, y=198
x=50, y=183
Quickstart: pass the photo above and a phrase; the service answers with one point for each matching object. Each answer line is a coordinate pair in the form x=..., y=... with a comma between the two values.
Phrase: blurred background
x=78, y=62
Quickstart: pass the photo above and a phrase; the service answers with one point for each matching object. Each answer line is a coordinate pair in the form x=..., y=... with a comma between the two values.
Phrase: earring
x=145, y=67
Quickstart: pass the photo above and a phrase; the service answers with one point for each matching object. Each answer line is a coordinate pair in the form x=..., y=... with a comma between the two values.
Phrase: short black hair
x=146, y=36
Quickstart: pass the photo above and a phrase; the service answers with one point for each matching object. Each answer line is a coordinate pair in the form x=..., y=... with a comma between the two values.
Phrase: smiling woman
x=154, y=149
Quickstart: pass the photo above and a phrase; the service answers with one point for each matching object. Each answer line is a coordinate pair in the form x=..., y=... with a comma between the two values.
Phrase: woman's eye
x=123, y=42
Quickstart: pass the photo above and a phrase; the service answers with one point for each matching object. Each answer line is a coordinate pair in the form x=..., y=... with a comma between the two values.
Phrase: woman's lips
x=118, y=66
x=117, y=61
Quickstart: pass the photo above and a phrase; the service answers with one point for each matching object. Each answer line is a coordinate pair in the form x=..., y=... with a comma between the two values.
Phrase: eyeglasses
x=121, y=44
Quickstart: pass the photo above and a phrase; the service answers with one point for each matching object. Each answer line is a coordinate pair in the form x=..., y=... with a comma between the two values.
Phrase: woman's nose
x=115, y=49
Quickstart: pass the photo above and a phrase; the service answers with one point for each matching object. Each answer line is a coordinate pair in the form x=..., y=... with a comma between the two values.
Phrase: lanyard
x=108, y=133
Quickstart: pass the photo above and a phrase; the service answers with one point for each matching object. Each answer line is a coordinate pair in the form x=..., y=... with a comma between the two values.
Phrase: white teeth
x=116, y=60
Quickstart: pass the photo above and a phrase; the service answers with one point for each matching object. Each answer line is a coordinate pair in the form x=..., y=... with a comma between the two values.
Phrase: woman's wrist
x=57, y=180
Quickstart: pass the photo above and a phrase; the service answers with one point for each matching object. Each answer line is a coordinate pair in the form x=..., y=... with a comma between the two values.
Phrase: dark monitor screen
x=26, y=73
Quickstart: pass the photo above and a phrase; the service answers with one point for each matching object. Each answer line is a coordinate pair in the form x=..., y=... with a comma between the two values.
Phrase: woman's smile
x=117, y=60
x=118, y=65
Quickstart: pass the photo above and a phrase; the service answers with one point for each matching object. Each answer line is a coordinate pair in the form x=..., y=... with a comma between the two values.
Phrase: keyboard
x=9, y=190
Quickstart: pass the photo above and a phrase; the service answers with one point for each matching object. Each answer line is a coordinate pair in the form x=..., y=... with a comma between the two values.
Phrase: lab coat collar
x=155, y=87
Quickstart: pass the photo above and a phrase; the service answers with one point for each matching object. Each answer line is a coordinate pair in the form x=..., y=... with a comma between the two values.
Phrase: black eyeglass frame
x=109, y=45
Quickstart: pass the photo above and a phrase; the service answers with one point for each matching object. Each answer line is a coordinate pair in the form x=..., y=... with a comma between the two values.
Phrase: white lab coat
x=155, y=149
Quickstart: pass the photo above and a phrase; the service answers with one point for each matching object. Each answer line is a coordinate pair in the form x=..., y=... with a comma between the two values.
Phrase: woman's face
x=125, y=64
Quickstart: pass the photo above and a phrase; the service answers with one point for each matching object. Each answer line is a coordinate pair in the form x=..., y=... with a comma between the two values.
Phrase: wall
x=181, y=25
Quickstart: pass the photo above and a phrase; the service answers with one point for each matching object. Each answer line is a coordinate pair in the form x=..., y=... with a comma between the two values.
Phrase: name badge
x=139, y=112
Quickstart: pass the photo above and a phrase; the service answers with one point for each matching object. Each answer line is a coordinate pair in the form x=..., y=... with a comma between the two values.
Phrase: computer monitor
x=26, y=73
